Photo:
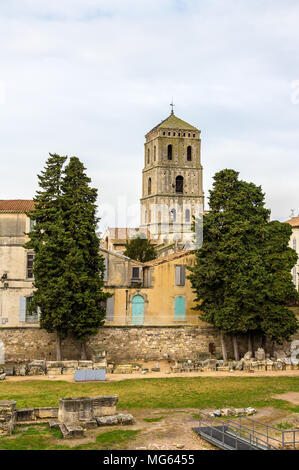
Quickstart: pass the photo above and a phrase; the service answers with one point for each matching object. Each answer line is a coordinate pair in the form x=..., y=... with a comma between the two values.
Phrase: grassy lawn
x=41, y=437
x=168, y=393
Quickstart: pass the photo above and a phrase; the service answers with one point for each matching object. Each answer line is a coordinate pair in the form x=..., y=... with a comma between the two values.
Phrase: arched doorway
x=137, y=310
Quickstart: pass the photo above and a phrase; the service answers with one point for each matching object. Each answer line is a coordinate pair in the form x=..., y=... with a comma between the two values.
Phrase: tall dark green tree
x=242, y=275
x=47, y=241
x=84, y=266
x=140, y=249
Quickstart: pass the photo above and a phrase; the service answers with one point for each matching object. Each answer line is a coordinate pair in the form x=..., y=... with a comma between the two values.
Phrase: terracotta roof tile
x=171, y=257
x=173, y=122
x=16, y=205
x=294, y=221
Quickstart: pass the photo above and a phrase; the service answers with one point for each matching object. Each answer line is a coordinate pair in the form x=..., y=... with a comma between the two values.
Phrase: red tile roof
x=294, y=222
x=16, y=205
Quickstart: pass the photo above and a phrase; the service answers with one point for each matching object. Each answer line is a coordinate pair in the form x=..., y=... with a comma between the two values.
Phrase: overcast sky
x=91, y=77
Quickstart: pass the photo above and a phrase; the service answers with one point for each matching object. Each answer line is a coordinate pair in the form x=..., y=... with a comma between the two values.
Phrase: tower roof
x=173, y=122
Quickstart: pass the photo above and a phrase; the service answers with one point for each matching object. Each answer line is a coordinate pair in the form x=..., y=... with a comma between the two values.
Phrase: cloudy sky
x=91, y=77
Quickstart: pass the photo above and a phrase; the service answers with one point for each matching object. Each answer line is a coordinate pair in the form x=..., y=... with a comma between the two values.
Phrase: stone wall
x=122, y=344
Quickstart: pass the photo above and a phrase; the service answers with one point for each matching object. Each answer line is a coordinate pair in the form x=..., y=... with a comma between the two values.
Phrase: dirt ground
x=164, y=373
x=292, y=397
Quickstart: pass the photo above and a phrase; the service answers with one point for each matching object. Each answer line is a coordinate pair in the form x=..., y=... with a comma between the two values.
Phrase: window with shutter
x=180, y=275
x=106, y=270
x=22, y=311
x=110, y=309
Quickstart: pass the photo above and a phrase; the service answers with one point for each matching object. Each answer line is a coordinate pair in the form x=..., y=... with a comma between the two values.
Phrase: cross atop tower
x=172, y=106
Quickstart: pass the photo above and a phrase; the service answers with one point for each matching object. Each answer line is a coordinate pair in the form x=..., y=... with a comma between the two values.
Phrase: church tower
x=172, y=190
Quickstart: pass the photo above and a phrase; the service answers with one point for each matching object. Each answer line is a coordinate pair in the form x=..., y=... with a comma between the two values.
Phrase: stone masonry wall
x=122, y=344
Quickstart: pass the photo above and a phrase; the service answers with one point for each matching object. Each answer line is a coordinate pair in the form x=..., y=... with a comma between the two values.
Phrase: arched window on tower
x=179, y=184
x=187, y=215
x=149, y=186
x=154, y=153
x=189, y=153
x=169, y=152
x=172, y=215
x=148, y=155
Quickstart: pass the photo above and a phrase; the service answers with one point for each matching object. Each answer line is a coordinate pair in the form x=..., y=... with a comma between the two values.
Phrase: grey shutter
x=106, y=270
x=110, y=309
x=183, y=275
x=177, y=275
x=22, y=312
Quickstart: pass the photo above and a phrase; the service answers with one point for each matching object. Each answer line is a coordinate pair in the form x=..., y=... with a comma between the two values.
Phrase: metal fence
x=245, y=433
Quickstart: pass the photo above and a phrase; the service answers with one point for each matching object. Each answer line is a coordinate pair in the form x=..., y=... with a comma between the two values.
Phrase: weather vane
x=172, y=106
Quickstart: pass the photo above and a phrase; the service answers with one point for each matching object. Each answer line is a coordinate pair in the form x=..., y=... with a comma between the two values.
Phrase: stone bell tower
x=172, y=191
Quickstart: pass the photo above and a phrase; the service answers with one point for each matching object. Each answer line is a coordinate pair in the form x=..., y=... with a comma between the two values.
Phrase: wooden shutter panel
x=177, y=275
x=110, y=309
x=106, y=270
x=22, y=311
x=183, y=275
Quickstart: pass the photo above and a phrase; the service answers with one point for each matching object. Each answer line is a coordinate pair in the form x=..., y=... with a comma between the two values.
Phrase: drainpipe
x=127, y=316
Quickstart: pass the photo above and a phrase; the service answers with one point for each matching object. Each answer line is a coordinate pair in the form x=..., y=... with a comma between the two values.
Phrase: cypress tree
x=241, y=276
x=46, y=239
x=84, y=266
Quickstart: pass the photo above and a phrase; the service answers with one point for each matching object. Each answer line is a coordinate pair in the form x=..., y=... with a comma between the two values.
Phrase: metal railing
x=244, y=432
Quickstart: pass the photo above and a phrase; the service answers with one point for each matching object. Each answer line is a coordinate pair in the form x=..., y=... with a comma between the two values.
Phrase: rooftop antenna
x=172, y=106
x=292, y=213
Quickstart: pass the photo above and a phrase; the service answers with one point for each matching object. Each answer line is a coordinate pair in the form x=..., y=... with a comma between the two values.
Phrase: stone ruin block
x=100, y=365
x=98, y=355
x=2, y=373
x=123, y=369
x=45, y=413
x=7, y=416
x=105, y=405
x=20, y=369
x=72, y=410
x=37, y=367
x=25, y=414
x=85, y=365
x=69, y=367
x=121, y=418
x=70, y=431
x=9, y=369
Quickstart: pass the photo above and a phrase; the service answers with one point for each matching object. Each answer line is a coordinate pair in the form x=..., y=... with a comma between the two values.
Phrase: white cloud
x=91, y=77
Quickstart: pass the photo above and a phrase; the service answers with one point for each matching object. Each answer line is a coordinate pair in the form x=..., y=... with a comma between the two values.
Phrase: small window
x=168, y=133
x=179, y=134
x=174, y=134
x=169, y=152
x=110, y=309
x=148, y=155
x=106, y=271
x=154, y=153
x=295, y=275
x=184, y=134
x=189, y=153
x=31, y=225
x=164, y=133
x=187, y=215
x=172, y=215
x=30, y=259
x=189, y=135
x=149, y=186
x=30, y=317
x=180, y=275
x=179, y=184
x=212, y=348
x=193, y=135
x=135, y=273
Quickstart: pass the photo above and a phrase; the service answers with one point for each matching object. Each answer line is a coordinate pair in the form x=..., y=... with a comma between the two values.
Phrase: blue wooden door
x=137, y=310
x=180, y=308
